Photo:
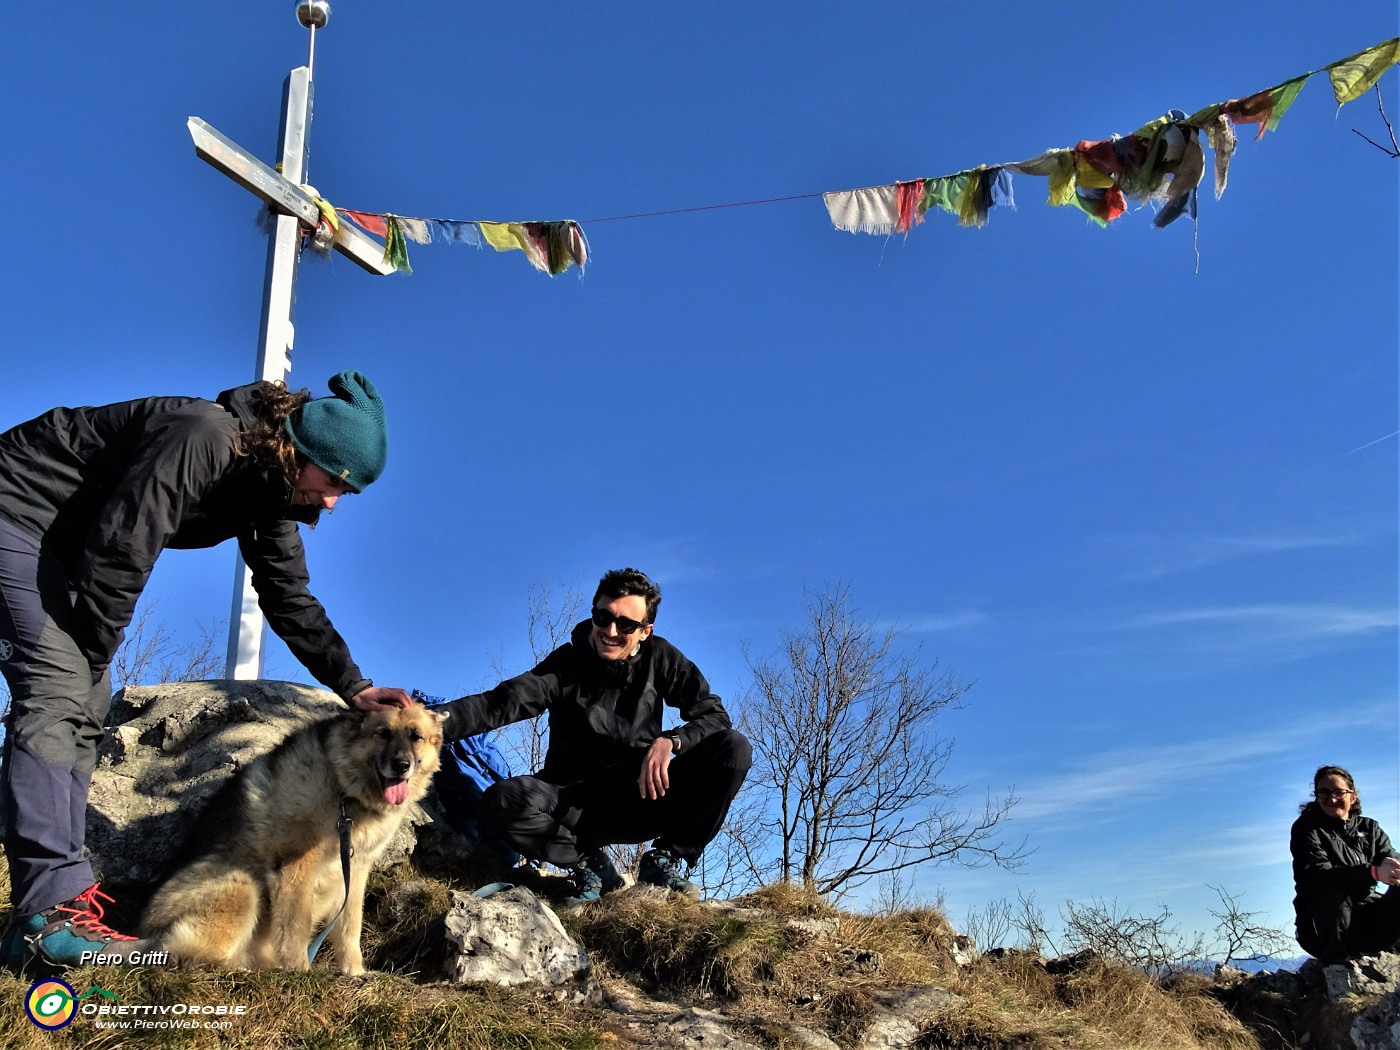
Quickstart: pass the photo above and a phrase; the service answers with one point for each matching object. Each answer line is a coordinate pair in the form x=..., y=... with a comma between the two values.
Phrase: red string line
x=706, y=207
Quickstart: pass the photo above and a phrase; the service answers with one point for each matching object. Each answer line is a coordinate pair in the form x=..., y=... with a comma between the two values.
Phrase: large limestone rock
x=510, y=938
x=169, y=748
x=1352, y=1005
x=1364, y=975
x=900, y=1016
x=1377, y=1027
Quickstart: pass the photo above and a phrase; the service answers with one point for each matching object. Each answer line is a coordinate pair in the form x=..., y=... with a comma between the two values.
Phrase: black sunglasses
x=605, y=619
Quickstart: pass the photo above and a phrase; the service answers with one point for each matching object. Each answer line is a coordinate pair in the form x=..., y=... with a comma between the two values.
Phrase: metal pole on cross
x=293, y=209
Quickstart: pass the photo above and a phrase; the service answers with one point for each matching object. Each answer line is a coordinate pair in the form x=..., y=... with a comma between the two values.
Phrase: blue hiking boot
x=71, y=934
x=595, y=876
x=601, y=862
x=661, y=867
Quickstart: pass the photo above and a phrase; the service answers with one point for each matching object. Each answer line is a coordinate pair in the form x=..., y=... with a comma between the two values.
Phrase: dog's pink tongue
x=397, y=793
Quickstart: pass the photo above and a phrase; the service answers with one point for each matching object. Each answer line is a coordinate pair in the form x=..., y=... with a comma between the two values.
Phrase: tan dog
x=262, y=867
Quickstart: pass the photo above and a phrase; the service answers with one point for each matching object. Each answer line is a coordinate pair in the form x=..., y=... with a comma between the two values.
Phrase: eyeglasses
x=1333, y=796
x=605, y=619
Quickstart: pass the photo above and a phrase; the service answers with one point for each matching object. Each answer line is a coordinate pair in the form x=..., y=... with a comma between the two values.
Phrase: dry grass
x=766, y=972
x=316, y=1011
x=748, y=960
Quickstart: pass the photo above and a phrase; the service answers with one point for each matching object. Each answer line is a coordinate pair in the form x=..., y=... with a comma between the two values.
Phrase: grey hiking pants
x=52, y=729
x=559, y=822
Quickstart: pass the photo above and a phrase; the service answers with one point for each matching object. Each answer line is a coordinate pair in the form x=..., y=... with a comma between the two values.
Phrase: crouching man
x=611, y=774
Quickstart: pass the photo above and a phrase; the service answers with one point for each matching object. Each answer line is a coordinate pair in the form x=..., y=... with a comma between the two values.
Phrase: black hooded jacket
x=106, y=489
x=1333, y=858
x=600, y=713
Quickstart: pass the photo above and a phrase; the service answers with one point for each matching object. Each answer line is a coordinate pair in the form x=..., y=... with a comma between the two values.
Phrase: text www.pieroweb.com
x=147, y=1018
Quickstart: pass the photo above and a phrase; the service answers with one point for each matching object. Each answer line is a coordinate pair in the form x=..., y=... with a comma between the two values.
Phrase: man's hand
x=380, y=698
x=1389, y=871
x=654, y=779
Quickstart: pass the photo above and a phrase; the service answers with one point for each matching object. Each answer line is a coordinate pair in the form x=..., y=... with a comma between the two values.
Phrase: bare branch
x=548, y=624
x=1241, y=935
x=1028, y=919
x=1394, y=149
x=151, y=653
x=843, y=725
x=1145, y=942
x=990, y=927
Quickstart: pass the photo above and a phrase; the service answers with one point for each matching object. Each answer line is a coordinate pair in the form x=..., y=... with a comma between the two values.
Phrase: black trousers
x=52, y=731
x=1337, y=928
x=559, y=822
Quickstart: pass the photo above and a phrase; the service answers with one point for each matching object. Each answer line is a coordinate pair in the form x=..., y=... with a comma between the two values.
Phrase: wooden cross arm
x=283, y=194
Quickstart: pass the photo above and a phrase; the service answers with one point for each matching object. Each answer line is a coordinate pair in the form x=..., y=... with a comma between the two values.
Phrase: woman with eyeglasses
x=1338, y=858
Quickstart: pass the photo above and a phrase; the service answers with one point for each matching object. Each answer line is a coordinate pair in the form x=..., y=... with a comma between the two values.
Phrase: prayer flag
x=1353, y=77
x=870, y=210
x=1266, y=107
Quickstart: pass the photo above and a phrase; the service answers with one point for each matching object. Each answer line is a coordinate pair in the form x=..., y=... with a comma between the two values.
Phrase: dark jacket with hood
x=106, y=489
x=1332, y=861
x=601, y=713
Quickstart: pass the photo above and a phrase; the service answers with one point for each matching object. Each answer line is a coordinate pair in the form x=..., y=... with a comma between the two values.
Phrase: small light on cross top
x=313, y=14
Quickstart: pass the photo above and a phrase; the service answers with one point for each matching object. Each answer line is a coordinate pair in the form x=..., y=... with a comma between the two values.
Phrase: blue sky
x=1149, y=511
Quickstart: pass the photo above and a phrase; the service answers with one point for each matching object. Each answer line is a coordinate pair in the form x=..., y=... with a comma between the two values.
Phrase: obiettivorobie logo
x=52, y=1004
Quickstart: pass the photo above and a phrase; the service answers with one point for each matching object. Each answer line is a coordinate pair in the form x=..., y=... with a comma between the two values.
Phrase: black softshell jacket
x=1332, y=858
x=600, y=713
x=106, y=489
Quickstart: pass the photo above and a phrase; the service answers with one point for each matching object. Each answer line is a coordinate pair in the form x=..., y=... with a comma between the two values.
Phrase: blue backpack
x=469, y=767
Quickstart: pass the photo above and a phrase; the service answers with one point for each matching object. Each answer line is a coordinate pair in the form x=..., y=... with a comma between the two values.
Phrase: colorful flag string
x=551, y=247
x=1162, y=163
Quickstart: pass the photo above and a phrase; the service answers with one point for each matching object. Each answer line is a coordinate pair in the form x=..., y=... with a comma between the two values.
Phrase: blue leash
x=343, y=826
x=493, y=888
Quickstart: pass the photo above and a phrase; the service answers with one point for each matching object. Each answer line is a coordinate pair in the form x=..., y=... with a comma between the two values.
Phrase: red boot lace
x=87, y=918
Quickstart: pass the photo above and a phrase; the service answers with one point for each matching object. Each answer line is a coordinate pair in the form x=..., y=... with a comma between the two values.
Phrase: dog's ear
x=441, y=716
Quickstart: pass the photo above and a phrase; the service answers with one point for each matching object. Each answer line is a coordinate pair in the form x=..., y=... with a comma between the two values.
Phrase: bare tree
x=152, y=653
x=548, y=623
x=1146, y=942
x=1241, y=935
x=895, y=893
x=1028, y=919
x=991, y=926
x=842, y=724
x=729, y=862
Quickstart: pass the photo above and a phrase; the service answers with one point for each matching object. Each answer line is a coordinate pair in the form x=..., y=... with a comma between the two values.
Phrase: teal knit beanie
x=343, y=434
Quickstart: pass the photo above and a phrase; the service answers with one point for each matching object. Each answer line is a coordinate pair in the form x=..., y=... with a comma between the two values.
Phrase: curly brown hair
x=266, y=440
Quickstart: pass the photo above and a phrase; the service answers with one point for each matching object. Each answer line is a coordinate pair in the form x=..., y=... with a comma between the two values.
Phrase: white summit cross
x=293, y=208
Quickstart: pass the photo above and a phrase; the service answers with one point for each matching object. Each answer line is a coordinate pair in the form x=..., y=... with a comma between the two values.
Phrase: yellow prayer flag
x=1090, y=176
x=503, y=236
x=512, y=236
x=1062, y=180
x=1353, y=77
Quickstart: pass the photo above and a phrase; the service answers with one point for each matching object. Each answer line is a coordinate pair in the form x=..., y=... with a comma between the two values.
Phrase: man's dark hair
x=619, y=583
x=1322, y=774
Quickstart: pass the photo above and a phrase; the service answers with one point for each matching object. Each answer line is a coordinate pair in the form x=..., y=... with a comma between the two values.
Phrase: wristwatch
x=675, y=739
